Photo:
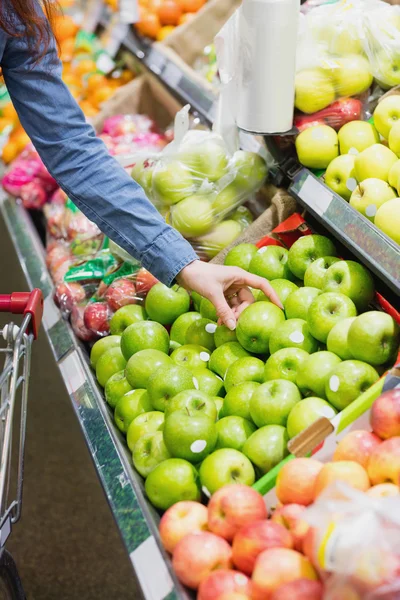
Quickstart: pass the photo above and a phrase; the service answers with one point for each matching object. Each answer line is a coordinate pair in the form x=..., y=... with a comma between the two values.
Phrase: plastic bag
x=29, y=179
x=197, y=184
x=356, y=543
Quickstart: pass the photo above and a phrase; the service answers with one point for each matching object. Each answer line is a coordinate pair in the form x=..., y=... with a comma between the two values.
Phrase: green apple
x=351, y=279
x=192, y=403
x=282, y=287
x=256, y=324
x=387, y=219
x=206, y=158
x=226, y=200
x=316, y=271
x=237, y=400
x=207, y=310
x=347, y=381
x=243, y=216
x=196, y=298
x=357, y=135
x=337, y=339
x=208, y=382
x=299, y=301
x=326, y=310
x=223, y=335
x=306, y=412
x=224, y=356
x=219, y=402
x=144, y=335
x=293, y=333
x=172, y=182
x=221, y=236
x=131, y=405
x=272, y=402
x=190, y=437
x=306, y=250
x=181, y=325
x=233, y=432
x=101, y=346
x=250, y=170
x=225, y=466
x=388, y=63
x=109, y=363
x=247, y=368
x=370, y=194
x=143, y=424
x=191, y=356
x=148, y=452
x=142, y=173
x=143, y=364
x=125, y=316
x=386, y=114
x=351, y=75
x=340, y=176
x=165, y=305
x=285, y=364
x=345, y=40
x=271, y=262
x=201, y=333
x=116, y=386
x=240, y=256
x=314, y=90
x=193, y=216
x=374, y=338
x=394, y=176
x=394, y=138
x=172, y=481
x=317, y=146
x=314, y=374
x=166, y=382
x=376, y=161
x=267, y=447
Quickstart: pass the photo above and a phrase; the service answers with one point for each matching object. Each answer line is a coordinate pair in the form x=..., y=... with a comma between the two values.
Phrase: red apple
x=233, y=506
x=61, y=270
x=299, y=589
x=254, y=538
x=357, y=446
x=179, y=520
x=345, y=470
x=382, y=490
x=343, y=591
x=234, y=596
x=56, y=256
x=97, y=317
x=296, y=480
x=69, y=294
x=197, y=555
x=385, y=414
x=120, y=293
x=291, y=517
x=277, y=566
x=223, y=583
x=144, y=282
x=78, y=325
x=384, y=463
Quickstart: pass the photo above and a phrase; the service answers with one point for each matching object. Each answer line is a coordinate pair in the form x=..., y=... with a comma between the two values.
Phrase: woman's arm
x=80, y=163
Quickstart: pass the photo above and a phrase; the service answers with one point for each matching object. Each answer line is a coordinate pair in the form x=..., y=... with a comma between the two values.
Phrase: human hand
x=226, y=287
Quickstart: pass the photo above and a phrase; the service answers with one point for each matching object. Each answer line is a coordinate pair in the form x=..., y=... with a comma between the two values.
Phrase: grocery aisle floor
x=66, y=545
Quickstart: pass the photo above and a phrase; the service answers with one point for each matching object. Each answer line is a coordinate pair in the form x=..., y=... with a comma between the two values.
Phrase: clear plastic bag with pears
x=344, y=48
x=355, y=543
x=199, y=183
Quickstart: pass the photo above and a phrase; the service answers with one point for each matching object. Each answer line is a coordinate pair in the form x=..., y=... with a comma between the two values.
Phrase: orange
x=5, y=123
x=101, y=95
x=154, y=5
x=10, y=113
x=85, y=66
x=22, y=140
x=95, y=81
x=10, y=151
x=71, y=79
x=191, y=6
x=65, y=27
x=149, y=25
x=165, y=32
x=169, y=12
x=88, y=109
x=126, y=76
x=67, y=48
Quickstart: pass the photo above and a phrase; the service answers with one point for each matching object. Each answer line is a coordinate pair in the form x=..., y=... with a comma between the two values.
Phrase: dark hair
x=36, y=18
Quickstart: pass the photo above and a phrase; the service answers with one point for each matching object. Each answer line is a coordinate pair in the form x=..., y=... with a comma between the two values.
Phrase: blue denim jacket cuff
x=168, y=255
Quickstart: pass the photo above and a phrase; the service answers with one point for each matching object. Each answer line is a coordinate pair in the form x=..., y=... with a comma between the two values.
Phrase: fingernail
x=231, y=324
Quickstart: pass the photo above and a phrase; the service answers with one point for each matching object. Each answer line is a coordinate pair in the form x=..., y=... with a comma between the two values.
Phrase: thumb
x=224, y=311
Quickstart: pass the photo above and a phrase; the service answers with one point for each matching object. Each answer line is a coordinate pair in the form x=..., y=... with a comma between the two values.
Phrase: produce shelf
x=135, y=517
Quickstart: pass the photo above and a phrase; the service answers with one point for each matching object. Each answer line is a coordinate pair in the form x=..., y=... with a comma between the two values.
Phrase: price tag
x=72, y=372
x=113, y=35
x=148, y=560
x=92, y=15
x=128, y=11
x=104, y=63
x=156, y=62
x=51, y=314
x=315, y=195
x=172, y=75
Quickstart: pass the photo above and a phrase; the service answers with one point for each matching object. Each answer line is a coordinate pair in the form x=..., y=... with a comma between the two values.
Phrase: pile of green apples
x=200, y=188
x=202, y=406
x=362, y=163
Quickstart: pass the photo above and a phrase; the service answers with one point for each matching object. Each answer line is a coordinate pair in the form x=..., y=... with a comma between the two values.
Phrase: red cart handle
x=24, y=303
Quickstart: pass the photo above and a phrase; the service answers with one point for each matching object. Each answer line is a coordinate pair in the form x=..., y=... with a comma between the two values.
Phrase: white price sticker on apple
x=315, y=195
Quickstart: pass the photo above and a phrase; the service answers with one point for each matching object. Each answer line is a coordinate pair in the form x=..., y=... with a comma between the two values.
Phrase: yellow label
x=324, y=544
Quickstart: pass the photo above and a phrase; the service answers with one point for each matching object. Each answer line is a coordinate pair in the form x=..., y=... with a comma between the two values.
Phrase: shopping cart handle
x=24, y=303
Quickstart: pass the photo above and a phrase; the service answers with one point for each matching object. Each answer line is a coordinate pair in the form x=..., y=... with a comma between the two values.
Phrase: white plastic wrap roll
x=267, y=39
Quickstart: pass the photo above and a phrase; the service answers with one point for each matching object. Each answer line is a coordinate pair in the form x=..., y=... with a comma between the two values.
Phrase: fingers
x=262, y=284
x=224, y=311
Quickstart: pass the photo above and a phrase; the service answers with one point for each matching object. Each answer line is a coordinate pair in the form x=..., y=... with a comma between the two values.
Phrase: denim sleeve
x=80, y=163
